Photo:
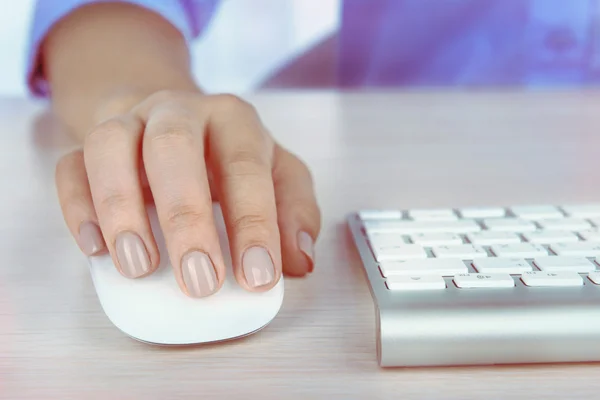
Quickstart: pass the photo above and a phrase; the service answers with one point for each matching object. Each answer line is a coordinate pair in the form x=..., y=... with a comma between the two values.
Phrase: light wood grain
x=366, y=150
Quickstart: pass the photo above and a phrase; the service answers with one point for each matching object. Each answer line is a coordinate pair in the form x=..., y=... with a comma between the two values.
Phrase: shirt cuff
x=49, y=12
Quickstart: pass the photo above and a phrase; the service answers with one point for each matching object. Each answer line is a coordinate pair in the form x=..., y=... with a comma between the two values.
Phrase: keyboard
x=483, y=285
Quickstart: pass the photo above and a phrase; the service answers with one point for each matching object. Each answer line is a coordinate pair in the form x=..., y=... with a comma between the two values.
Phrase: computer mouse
x=154, y=310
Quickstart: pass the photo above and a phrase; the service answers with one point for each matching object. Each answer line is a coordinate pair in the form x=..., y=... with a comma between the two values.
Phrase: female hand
x=191, y=149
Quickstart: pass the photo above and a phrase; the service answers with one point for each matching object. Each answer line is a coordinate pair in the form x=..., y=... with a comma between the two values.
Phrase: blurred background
x=273, y=32
x=251, y=44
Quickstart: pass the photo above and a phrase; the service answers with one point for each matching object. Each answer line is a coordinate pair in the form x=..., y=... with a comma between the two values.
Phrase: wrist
x=105, y=57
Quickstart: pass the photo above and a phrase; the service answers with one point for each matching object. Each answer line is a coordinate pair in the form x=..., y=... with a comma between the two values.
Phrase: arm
x=103, y=58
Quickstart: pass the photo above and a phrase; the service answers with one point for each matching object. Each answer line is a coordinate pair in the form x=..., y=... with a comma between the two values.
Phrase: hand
x=190, y=149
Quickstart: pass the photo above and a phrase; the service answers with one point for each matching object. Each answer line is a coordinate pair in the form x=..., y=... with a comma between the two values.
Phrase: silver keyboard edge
x=480, y=327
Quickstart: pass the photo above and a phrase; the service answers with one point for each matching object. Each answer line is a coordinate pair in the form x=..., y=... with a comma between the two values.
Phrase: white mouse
x=153, y=309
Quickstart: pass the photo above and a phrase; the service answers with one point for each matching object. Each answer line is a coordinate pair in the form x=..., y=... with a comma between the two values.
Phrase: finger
x=112, y=153
x=298, y=213
x=76, y=203
x=241, y=153
x=173, y=154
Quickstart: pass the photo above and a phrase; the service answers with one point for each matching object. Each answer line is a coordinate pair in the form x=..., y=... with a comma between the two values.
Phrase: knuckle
x=231, y=103
x=288, y=165
x=164, y=102
x=110, y=127
x=167, y=134
x=110, y=133
x=247, y=163
x=250, y=173
x=183, y=216
x=114, y=202
x=248, y=157
x=255, y=222
x=165, y=95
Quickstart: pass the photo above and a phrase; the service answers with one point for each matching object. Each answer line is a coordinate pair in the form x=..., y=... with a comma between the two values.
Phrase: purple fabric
x=422, y=42
x=469, y=42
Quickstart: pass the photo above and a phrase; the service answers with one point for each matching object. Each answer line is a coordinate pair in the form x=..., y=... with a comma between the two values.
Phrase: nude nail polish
x=132, y=255
x=306, y=245
x=199, y=274
x=258, y=267
x=90, y=238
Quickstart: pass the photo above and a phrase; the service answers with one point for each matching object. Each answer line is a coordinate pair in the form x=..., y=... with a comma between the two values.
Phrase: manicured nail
x=90, y=238
x=132, y=255
x=307, y=246
x=258, y=267
x=199, y=274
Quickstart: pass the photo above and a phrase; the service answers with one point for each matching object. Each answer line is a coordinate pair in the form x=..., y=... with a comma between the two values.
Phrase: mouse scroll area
x=154, y=310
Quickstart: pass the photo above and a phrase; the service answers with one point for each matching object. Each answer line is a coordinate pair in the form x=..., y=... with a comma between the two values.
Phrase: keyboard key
x=499, y=280
x=565, y=224
x=433, y=239
x=385, y=239
x=595, y=277
x=547, y=237
x=582, y=210
x=380, y=241
x=591, y=235
x=509, y=225
x=461, y=251
x=561, y=263
x=514, y=266
x=402, y=283
x=430, y=266
x=536, y=212
x=399, y=252
x=482, y=212
x=379, y=214
x=408, y=227
x=551, y=279
x=439, y=214
x=580, y=249
x=523, y=250
x=486, y=238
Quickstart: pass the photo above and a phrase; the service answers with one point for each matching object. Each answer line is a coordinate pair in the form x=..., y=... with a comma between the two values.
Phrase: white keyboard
x=445, y=280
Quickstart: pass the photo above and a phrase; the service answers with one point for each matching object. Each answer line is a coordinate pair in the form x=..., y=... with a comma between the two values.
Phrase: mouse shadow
x=197, y=346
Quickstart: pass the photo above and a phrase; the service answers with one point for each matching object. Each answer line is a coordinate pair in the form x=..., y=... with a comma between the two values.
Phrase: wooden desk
x=383, y=150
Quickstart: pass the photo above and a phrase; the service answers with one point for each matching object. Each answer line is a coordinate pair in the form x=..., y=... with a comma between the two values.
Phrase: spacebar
x=431, y=266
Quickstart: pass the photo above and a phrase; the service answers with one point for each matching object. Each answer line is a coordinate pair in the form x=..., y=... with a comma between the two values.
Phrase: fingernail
x=199, y=274
x=132, y=255
x=258, y=267
x=90, y=238
x=307, y=246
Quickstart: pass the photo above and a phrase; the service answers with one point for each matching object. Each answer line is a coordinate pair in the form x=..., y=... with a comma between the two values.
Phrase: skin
x=122, y=85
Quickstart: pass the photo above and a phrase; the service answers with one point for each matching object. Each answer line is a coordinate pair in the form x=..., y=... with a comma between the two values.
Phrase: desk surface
x=387, y=150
